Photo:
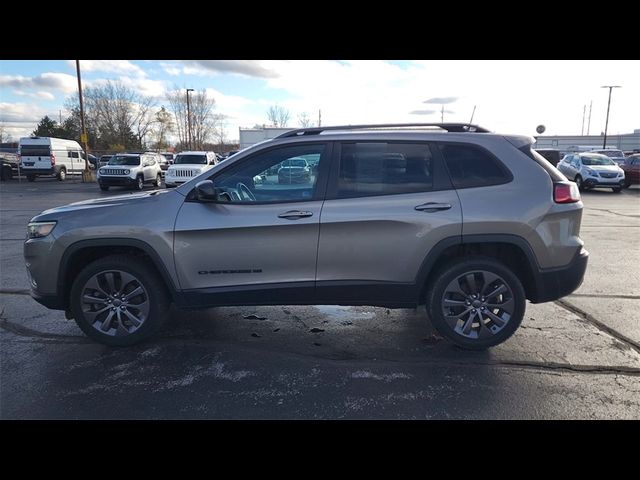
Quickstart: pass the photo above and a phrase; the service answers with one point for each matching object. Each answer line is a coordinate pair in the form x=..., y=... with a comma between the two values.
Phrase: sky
x=508, y=96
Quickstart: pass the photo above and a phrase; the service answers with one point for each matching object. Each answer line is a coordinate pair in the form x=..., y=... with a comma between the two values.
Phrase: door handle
x=295, y=214
x=433, y=207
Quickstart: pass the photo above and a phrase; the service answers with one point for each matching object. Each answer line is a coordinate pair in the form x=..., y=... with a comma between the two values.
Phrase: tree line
x=118, y=118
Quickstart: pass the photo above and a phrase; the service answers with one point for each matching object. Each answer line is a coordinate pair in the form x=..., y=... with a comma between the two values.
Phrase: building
x=251, y=136
x=627, y=142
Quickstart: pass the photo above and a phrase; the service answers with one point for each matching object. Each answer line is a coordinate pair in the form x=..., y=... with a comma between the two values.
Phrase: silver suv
x=131, y=170
x=466, y=222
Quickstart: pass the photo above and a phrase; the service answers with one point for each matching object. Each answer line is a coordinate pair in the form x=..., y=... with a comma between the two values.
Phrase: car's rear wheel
x=119, y=300
x=62, y=174
x=476, y=302
x=158, y=181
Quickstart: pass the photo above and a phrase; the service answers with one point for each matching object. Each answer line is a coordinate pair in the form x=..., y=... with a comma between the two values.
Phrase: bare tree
x=116, y=114
x=162, y=127
x=4, y=134
x=305, y=120
x=203, y=120
x=219, y=131
x=278, y=116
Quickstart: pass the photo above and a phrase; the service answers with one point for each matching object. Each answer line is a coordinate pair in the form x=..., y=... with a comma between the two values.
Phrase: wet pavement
x=577, y=358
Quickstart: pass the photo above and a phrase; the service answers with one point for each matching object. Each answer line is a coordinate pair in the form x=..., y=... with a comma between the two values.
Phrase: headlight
x=126, y=172
x=39, y=229
x=589, y=171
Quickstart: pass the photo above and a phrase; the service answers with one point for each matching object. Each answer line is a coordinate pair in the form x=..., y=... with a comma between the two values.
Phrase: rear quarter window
x=472, y=166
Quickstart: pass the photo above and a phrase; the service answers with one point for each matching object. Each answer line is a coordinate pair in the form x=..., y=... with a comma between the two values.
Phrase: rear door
x=387, y=205
x=35, y=156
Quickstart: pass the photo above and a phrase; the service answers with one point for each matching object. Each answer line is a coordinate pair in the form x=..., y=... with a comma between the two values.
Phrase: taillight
x=566, y=192
x=53, y=159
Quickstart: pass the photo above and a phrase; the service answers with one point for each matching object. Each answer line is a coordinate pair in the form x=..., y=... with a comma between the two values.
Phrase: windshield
x=599, y=160
x=122, y=160
x=191, y=159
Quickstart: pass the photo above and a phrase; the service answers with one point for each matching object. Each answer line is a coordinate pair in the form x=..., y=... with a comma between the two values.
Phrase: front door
x=261, y=233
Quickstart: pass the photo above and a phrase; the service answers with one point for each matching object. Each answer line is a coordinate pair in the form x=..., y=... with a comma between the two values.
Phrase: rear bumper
x=555, y=283
x=37, y=171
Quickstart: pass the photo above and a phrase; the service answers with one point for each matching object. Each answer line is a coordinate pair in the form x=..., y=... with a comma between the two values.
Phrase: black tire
x=62, y=174
x=617, y=189
x=627, y=184
x=578, y=181
x=104, y=188
x=158, y=181
x=31, y=177
x=139, y=185
x=167, y=185
x=6, y=173
x=446, y=275
x=158, y=298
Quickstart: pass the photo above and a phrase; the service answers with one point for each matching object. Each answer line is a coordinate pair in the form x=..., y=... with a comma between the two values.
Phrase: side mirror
x=206, y=192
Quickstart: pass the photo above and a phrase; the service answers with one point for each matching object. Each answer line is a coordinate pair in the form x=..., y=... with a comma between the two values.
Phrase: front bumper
x=554, y=283
x=591, y=182
x=117, y=181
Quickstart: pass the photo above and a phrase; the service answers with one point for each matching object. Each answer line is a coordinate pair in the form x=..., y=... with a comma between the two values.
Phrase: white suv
x=131, y=170
x=188, y=165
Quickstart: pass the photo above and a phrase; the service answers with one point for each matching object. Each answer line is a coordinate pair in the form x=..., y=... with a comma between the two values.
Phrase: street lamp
x=606, y=126
x=189, y=117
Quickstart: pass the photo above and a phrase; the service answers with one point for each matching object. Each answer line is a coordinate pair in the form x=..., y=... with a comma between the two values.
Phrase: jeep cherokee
x=467, y=222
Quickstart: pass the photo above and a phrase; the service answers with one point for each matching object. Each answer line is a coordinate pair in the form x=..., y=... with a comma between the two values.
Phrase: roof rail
x=449, y=127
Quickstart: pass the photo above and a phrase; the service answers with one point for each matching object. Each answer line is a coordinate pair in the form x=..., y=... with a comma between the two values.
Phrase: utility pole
x=584, y=112
x=86, y=175
x=472, y=114
x=442, y=114
x=189, y=118
x=589, y=124
x=60, y=117
x=606, y=125
x=319, y=117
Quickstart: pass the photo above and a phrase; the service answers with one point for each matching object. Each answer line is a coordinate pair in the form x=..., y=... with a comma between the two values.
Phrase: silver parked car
x=465, y=222
x=590, y=170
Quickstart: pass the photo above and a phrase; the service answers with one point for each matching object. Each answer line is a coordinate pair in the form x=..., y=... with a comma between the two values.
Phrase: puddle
x=341, y=312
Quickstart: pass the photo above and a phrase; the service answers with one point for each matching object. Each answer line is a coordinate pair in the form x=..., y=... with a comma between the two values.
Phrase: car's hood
x=104, y=202
x=189, y=166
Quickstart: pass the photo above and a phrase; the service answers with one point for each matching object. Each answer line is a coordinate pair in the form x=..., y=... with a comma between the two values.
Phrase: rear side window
x=368, y=169
x=35, y=150
x=470, y=166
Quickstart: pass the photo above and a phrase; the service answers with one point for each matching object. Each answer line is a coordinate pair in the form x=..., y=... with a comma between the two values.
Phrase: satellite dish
x=540, y=129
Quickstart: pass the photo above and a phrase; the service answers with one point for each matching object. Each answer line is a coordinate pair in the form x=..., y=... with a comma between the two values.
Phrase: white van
x=50, y=156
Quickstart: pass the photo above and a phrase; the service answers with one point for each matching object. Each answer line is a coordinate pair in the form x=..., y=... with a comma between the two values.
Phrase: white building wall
x=251, y=136
x=625, y=142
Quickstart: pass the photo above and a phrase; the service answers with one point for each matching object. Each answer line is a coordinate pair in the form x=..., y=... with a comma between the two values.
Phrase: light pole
x=86, y=175
x=606, y=125
x=189, y=117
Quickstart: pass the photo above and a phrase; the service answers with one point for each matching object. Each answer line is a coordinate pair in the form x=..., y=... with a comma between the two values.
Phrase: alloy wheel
x=478, y=304
x=115, y=302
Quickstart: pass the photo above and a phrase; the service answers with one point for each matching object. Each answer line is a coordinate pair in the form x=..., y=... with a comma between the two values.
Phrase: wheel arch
x=512, y=250
x=80, y=253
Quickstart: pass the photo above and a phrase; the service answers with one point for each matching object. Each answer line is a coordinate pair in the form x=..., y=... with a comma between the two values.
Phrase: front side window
x=278, y=175
x=370, y=169
x=470, y=166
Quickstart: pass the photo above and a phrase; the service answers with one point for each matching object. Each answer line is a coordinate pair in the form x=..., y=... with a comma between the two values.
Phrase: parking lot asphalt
x=575, y=358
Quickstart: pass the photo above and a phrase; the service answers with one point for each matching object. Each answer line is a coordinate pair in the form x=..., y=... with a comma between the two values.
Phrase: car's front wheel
x=158, y=181
x=578, y=181
x=476, y=302
x=119, y=300
x=139, y=185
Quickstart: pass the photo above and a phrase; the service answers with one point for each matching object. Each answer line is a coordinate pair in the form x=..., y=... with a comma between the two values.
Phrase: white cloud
x=50, y=80
x=20, y=119
x=251, y=68
x=123, y=67
x=40, y=94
